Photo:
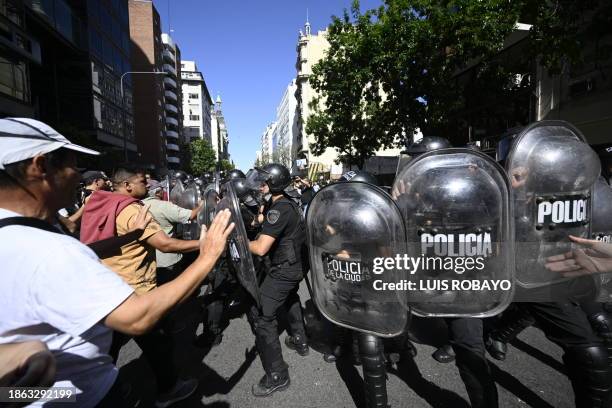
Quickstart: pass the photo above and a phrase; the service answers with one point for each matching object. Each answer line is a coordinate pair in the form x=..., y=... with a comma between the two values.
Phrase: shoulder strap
x=29, y=222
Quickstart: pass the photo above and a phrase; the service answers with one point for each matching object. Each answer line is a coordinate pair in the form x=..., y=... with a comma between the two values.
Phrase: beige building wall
x=311, y=49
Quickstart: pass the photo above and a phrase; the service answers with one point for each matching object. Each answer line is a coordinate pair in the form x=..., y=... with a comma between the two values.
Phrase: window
x=194, y=96
x=14, y=79
x=194, y=117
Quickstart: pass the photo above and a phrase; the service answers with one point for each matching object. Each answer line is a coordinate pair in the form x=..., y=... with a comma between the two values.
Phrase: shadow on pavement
x=513, y=385
x=540, y=355
x=352, y=379
x=435, y=396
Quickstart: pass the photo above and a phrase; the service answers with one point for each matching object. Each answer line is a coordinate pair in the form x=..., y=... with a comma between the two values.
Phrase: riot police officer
x=369, y=346
x=465, y=333
x=550, y=301
x=282, y=238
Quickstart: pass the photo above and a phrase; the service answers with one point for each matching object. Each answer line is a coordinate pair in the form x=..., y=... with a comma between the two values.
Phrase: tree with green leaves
x=398, y=68
x=202, y=157
x=225, y=165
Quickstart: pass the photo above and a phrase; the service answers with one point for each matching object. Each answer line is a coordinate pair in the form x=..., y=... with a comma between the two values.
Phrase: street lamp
x=125, y=152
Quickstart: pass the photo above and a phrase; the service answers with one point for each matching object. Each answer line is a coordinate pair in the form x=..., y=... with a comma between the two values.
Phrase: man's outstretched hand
x=213, y=240
x=596, y=257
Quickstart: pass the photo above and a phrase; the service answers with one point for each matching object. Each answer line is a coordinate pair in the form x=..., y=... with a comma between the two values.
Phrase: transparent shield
x=552, y=172
x=457, y=212
x=209, y=205
x=602, y=231
x=351, y=227
x=238, y=245
x=176, y=192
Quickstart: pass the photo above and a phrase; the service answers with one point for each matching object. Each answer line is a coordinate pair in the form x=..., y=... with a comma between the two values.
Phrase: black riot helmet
x=179, y=175
x=359, y=175
x=235, y=173
x=243, y=191
x=275, y=175
x=207, y=177
x=427, y=144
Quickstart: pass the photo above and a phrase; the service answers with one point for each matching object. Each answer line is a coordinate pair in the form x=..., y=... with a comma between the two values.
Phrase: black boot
x=297, y=343
x=444, y=354
x=271, y=383
x=590, y=375
x=512, y=322
x=374, y=372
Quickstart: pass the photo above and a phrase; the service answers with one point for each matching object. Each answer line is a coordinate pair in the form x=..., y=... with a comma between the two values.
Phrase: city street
x=531, y=376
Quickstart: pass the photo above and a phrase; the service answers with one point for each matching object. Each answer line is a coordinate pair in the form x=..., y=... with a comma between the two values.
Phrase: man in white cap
x=53, y=288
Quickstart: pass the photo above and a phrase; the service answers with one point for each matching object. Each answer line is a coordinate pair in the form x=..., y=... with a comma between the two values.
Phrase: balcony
x=170, y=82
x=171, y=95
x=172, y=133
x=168, y=56
x=171, y=108
x=170, y=69
x=174, y=160
x=172, y=121
x=173, y=147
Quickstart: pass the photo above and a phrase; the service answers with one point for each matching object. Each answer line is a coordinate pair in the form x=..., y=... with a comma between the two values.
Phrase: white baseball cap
x=24, y=138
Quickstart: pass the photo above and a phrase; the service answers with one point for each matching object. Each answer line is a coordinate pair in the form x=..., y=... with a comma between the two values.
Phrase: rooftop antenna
x=307, y=25
x=170, y=30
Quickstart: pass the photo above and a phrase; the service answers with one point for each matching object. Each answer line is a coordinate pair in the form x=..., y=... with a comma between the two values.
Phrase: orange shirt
x=136, y=262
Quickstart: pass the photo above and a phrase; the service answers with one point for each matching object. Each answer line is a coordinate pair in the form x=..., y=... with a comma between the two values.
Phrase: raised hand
x=212, y=242
x=595, y=258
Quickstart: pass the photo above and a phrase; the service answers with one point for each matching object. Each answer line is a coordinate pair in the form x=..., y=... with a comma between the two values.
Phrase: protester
x=93, y=181
x=109, y=214
x=54, y=289
x=167, y=215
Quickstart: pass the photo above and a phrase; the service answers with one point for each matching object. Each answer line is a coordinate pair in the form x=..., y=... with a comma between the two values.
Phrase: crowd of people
x=84, y=273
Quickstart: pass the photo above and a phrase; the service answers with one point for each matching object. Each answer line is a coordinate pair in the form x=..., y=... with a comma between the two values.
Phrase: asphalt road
x=531, y=376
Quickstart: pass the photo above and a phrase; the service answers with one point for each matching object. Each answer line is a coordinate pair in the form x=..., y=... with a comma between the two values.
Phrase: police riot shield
x=552, y=172
x=238, y=247
x=176, y=191
x=402, y=161
x=208, y=211
x=189, y=199
x=352, y=229
x=602, y=231
x=458, y=215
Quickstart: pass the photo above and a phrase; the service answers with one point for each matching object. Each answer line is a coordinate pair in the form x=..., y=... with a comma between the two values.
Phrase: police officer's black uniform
x=288, y=259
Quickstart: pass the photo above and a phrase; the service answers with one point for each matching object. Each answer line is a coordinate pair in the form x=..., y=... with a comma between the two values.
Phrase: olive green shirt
x=167, y=215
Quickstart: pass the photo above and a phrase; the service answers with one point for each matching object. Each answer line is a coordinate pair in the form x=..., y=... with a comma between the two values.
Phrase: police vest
x=291, y=247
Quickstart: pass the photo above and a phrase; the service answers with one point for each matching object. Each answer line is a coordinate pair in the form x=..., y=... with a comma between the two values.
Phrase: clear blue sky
x=246, y=51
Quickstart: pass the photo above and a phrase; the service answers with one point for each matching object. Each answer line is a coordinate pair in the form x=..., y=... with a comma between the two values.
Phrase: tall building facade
x=148, y=89
x=267, y=143
x=18, y=52
x=310, y=49
x=173, y=105
x=220, y=135
x=197, y=103
x=286, y=126
x=72, y=55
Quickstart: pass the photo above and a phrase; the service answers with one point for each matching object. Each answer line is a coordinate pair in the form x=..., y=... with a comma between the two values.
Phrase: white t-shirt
x=54, y=289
